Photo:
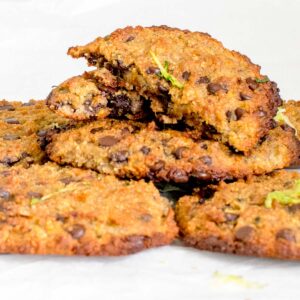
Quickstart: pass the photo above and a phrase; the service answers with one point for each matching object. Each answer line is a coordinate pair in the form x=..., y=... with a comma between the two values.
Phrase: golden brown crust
x=22, y=127
x=135, y=150
x=66, y=211
x=221, y=88
x=234, y=219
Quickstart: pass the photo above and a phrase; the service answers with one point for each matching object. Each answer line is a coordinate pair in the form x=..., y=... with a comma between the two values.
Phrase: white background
x=34, y=38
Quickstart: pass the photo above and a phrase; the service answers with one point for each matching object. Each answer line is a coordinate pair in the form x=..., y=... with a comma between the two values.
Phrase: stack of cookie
x=164, y=107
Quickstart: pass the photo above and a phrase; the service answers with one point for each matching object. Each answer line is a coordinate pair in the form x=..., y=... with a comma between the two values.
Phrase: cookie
x=67, y=211
x=95, y=95
x=257, y=217
x=137, y=150
x=22, y=128
x=193, y=76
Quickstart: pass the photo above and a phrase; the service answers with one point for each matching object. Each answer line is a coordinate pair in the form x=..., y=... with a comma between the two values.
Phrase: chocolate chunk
x=12, y=121
x=163, y=89
x=158, y=166
x=108, y=141
x=7, y=107
x=203, y=79
x=146, y=218
x=213, y=88
x=179, y=151
x=120, y=105
x=97, y=129
x=11, y=137
x=34, y=195
x=6, y=195
x=231, y=217
x=244, y=233
x=239, y=112
x=230, y=116
x=252, y=84
x=186, y=75
x=206, y=159
x=286, y=234
x=118, y=157
x=77, y=231
x=244, y=96
x=153, y=70
x=129, y=39
x=178, y=175
x=145, y=150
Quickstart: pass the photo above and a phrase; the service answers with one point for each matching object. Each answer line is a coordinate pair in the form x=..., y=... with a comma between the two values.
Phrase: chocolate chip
x=186, y=75
x=239, y=112
x=97, y=129
x=286, y=234
x=179, y=151
x=9, y=161
x=204, y=146
x=231, y=217
x=158, y=166
x=129, y=39
x=108, y=141
x=213, y=88
x=68, y=180
x=230, y=116
x=244, y=96
x=12, y=121
x=28, y=104
x=178, y=175
x=244, y=233
x=252, y=84
x=206, y=159
x=11, y=137
x=77, y=231
x=203, y=79
x=118, y=157
x=163, y=89
x=200, y=175
x=6, y=195
x=153, y=70
x=61, y=218
x=34, y=195
x=145, y=150
x=41, y=133
x=294, y=208
x=7, y=107
x=146, y=218
x=261, y=113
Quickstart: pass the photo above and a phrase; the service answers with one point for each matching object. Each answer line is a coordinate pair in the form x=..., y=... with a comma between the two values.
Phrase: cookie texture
x=137, y=150
x=233, y=218
x=193, y=77
x=23, y=127
x=96, y=95
x=67, y=211
x=292, y=111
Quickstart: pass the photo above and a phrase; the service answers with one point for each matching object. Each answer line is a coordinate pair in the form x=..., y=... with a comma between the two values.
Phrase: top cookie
x=196, y=79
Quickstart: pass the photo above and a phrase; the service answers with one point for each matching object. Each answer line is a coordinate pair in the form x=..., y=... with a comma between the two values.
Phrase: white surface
x=34, y=37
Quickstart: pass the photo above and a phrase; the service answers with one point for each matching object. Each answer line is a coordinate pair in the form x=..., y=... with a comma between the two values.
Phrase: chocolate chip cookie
x=138, y=150
x=67, y=211
x=258, y=216
x=194, y=78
